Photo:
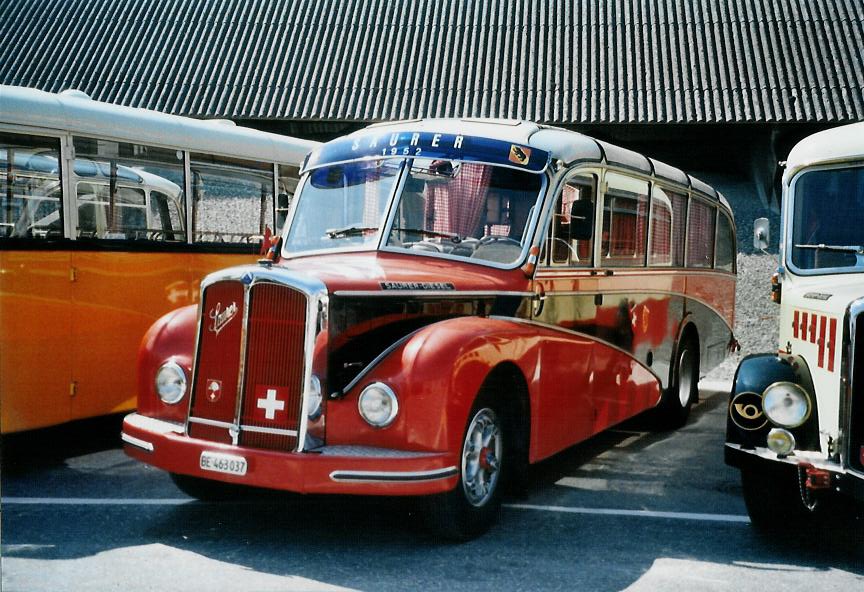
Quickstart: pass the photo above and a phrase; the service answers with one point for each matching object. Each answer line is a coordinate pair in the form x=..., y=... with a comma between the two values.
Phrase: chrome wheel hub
x=685, y=377
x=481, y=457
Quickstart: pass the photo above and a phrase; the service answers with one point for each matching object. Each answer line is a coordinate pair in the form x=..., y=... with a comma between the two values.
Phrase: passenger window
x=30, y=191
x=700, y=234
x=288, y=178
x=668, y=221
x=128, y=191
x=233, y=199
x=570, y=240
x=725, y=243
x=625, y=218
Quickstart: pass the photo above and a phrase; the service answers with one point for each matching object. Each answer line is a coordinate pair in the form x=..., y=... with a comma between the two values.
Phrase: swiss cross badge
x=214, y=390
x=270, y=401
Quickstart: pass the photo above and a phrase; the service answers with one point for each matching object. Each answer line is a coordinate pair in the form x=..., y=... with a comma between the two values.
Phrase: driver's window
x=570, y=239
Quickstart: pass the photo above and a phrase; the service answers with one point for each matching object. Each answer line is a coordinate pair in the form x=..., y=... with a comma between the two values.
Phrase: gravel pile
x=755, y=315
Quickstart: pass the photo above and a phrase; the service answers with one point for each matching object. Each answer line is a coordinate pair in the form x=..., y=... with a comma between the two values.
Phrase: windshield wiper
x=840, y=248
x=453, y=237
x=348, y=231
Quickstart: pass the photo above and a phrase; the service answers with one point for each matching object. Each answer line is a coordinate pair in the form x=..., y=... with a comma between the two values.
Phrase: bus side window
x=625, y=220
x=566, y=243
x=668, y=224
x=700, y=234
x=233, y=199
x=119, y=188
x=725, y=243
x=289, y=176
x=30, y=191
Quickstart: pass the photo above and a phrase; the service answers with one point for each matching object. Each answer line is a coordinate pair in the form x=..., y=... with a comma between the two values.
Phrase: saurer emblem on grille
x=221, y=317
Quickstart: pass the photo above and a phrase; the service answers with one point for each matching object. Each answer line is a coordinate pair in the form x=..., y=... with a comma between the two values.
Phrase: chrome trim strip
x=160, y=426
x=847, y=366
x=554, y=294
x=234, y=430
x=462, y=293
x=394, y=476
x=137, y=442
x=273, y=431
x=212, y=422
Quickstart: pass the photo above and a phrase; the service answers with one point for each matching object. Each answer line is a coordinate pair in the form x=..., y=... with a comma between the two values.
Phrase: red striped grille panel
x=214, y=394
x=274, y=366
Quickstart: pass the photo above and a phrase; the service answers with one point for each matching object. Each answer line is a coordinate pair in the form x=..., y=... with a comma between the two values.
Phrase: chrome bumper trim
x=393, y=476
x=273, y=431
x=150, y=424
x=797, y=457
x=137, y=442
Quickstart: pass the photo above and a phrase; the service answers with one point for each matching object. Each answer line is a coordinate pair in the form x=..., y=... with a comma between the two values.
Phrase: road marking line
x=94, y=501
x=90, y=501
x=636, y=513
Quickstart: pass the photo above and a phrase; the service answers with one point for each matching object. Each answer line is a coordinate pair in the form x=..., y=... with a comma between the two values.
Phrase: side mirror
x=581, y=219
x=761, y=234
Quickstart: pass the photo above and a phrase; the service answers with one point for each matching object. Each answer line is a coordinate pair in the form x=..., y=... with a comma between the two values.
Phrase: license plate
x=223, y=463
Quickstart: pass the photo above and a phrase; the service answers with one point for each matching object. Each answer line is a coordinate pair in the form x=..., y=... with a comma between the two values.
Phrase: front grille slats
x=271, y=395
x=274, y=365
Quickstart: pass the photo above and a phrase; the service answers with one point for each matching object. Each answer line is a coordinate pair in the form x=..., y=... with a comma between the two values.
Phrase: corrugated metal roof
x=551, y=61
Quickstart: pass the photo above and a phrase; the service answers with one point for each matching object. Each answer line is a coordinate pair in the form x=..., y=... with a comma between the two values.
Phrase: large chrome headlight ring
x=378, y=405
x=786, y=404
x=171, y=382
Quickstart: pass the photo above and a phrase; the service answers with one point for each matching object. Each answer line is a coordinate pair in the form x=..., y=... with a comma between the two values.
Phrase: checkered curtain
x=700, y=238
x=457, y=205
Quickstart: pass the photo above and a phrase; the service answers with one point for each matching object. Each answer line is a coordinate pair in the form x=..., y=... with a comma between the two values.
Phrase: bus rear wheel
x=676, y=401
x=474, y=504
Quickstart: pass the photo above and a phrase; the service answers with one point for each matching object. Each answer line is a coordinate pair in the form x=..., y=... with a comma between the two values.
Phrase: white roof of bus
x=74, y=113
x=844, y=143
x=566, y=145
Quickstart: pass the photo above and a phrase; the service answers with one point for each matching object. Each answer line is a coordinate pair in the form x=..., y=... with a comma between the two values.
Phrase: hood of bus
x=826, y=294
x=379, y=271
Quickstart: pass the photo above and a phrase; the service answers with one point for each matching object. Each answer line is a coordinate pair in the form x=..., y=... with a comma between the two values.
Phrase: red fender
x=171, y=337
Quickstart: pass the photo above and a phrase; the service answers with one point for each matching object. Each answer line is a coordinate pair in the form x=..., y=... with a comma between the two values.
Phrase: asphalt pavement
x=630, y=509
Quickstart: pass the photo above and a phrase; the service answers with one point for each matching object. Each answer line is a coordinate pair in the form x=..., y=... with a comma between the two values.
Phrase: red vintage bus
x=450, y=301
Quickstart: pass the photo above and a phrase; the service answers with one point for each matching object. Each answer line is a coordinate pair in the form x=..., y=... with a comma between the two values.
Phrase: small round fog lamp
x=378, y=405
x=171, y=383
x=786, y=404
x=780, y=441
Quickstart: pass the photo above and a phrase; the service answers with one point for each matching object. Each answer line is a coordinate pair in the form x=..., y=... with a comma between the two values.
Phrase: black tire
x=205, y=489
x=675, y=403
x=773, y=499
x=474, y=505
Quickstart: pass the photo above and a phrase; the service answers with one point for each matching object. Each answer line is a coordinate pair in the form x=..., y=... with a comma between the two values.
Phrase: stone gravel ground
x=755, y=315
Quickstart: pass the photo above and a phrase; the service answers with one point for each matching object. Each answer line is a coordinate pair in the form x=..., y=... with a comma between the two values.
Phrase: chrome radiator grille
x=248, y=386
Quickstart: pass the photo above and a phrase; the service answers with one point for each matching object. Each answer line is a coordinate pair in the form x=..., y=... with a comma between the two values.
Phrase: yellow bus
x=109, y=216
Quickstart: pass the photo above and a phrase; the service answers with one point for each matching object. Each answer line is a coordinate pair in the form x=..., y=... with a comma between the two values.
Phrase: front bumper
x=843, y=481
x=357, y=470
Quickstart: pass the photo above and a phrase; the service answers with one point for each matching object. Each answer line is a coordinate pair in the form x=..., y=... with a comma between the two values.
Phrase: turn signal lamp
x=531, y=263
x=776, y=288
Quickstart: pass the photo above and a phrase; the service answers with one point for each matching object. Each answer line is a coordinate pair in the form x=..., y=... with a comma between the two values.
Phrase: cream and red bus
x=796, y=417
x=449, y=301
x=109, y=216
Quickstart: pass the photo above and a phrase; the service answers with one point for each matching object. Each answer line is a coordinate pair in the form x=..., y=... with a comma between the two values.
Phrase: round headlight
x=314, y=398
x=378, y=405
x=786, y=404
x=171, y=383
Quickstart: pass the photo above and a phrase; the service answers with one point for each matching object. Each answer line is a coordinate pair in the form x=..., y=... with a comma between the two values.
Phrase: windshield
x=828, y=220
x=448, y=207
